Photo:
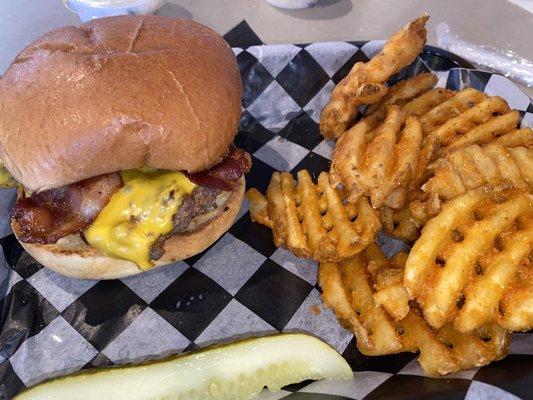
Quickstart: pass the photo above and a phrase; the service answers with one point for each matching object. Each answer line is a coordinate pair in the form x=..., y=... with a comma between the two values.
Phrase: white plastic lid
x=292, y=4
x=90, y=9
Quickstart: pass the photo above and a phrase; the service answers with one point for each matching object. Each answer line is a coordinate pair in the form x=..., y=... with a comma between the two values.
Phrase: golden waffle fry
x=455, y=119
x=517, y=301
x=417, y=106
x=448, y=350
x=463, y=268
x=479, y=125
x=423, y=207
x=390, y=293
x=443, y=111
x=354, y=290
x=399, y=223
x=349, y=293
x=467, y=118
x=314, y=221
x=403, y=92
x=427, y=101
x=516, y=137
x=450, y=119
x=382, y=163
x=364, y=84
x=473, y=166
x=258, y=207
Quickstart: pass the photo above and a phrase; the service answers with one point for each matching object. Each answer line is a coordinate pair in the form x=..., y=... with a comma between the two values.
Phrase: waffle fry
x=382, y=163
x=258, y=207
x=516, y=137
x=423, y=207
x=416, y=106
x=478, y=125
x=450, y=120
x=473, y=166
x=314, y=221
x=404, y=91
x=399, y=223
x=440, y=113
x=421, y=105
x=464, y=267
x=390, y=293
x=456, y=119
x=353, y=289
x=469, y=117
x=365, y=83
x=517, y=302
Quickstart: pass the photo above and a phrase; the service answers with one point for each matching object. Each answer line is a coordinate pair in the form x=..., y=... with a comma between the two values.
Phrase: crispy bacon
x=46, y=216
x=225, y=174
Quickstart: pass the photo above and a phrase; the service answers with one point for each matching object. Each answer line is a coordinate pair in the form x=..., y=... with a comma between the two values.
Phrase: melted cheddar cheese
x=138, y=214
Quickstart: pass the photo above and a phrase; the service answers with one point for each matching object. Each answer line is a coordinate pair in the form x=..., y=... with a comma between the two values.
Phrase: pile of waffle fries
x=447, y=171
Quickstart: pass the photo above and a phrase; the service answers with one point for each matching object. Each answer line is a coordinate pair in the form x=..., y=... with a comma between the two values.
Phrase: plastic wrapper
x=505, y=62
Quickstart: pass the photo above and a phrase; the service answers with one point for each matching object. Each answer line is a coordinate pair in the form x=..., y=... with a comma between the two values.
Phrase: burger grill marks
x=49, y=215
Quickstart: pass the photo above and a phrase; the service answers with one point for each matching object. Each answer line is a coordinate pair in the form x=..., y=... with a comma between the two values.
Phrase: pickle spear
x=238, y=370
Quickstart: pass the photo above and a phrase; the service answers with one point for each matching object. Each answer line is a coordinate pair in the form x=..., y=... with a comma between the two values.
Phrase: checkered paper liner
x=242, y=285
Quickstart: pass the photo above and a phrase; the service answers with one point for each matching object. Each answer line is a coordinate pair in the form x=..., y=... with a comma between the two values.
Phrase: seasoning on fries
x=314, y=220
x=382, y=163
x=349, y=289
x=449, y=171
x=399, y=223
x=404, y=91
x=364, y=84
x=470, y=257
x=471, y=167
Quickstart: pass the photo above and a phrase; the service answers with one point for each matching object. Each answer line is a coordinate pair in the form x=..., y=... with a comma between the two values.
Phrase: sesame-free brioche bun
x=117, y=93
x=72, y=257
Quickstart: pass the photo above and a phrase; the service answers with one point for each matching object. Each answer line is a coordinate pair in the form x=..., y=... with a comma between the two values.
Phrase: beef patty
x=201, y=200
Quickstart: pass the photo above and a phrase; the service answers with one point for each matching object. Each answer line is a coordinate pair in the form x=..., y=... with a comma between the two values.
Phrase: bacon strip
x=47, y=216
x=224, y=175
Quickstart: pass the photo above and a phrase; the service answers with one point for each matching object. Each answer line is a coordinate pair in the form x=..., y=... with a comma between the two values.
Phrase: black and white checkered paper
x=242, y=285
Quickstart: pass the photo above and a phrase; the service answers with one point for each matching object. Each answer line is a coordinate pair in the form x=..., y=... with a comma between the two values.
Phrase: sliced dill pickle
x=234, y=371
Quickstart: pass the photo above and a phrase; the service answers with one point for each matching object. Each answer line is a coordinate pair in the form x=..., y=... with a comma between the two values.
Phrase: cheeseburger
x=119, y=133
